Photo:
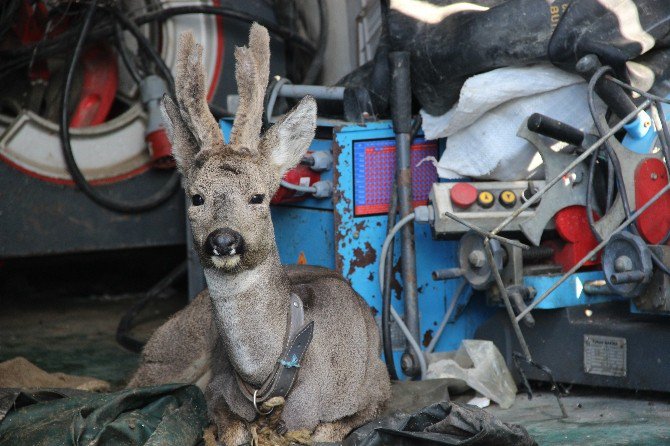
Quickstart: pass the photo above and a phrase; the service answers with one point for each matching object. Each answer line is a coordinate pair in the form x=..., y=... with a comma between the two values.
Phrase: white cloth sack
x=481, y=128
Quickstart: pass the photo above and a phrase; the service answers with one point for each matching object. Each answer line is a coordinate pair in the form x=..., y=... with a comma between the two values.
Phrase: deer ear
x=184, y=145
x=286, y=142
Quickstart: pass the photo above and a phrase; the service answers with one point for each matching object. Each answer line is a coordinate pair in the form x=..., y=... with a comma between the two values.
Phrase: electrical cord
x=401, y=324
x=18, y=57
x=286, y=33
x=145, y=45
x=149, y=203
x=125, y=55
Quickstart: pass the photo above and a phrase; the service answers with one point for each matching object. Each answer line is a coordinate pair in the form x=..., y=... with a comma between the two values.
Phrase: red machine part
x=160, y=149
x=100, y=81
x=572, y=226
x=300, y=175
x=31, y=22
x=650, y=177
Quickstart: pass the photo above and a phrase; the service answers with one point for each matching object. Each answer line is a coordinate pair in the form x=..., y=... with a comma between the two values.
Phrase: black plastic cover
x=445, y=423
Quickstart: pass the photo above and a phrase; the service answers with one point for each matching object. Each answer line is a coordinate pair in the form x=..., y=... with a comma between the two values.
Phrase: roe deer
x=239, y=339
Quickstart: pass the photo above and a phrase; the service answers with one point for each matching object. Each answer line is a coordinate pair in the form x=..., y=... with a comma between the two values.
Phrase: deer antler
x=252, y=71
x=192, y=94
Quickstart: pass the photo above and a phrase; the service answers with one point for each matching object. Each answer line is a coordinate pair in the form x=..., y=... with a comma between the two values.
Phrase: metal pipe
x=597, y=287
x=401, y=111
x=317, y=91
x=507, y=302
x=627, y=277
x=447, y=273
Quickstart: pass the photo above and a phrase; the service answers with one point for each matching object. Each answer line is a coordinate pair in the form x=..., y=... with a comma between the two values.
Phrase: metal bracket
x=568, y=192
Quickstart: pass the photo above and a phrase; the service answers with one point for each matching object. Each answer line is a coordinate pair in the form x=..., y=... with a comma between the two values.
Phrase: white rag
x=481, y=128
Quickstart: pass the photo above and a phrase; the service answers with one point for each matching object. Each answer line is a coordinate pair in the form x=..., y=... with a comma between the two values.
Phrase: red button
x=463, y=195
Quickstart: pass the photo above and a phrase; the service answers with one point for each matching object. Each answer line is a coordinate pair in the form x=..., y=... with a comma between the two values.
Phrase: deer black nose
x=224, y=242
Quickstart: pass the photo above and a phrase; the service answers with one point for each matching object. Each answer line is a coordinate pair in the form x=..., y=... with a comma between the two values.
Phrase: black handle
x=401, y=92
x=612, y=94
x=553, y=128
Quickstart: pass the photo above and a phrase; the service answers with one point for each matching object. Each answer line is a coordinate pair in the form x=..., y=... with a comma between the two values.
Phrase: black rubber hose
x=235, y=15
x=145, y=45
x=64, y=132
x=316, y=66
x=125, y=55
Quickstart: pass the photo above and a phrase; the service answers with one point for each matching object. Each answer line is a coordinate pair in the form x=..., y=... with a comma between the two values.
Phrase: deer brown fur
x=239, y=323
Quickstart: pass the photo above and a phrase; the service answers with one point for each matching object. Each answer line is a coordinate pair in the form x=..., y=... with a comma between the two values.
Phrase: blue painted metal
x=571, y=292
x=646, y=143
x=359, y=238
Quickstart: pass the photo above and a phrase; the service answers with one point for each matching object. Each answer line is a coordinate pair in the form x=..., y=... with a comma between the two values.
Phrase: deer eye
x=197, y=200
x=257, y=199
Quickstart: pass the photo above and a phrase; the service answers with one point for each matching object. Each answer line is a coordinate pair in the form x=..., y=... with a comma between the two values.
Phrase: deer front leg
x=335, y=431
x=231, y=430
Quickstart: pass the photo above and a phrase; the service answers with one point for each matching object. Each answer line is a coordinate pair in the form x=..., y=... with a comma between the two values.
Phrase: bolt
x=623, y=264
x=477, y=259
x=356, y=234
x=654, y=176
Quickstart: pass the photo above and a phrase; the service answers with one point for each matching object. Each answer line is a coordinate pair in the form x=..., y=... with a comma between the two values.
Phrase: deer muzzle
x=224, y=242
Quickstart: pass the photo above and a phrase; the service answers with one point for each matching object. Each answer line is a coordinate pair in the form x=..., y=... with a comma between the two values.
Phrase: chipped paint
x=362, y=258
x=427, y=337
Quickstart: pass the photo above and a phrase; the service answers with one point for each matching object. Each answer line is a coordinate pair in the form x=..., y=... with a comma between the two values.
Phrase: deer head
x=230, y=185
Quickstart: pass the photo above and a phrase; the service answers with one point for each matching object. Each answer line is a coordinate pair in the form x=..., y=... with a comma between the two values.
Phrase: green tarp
x=173, y=414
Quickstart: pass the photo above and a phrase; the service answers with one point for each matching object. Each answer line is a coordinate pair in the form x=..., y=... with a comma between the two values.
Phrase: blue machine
x=347, y=232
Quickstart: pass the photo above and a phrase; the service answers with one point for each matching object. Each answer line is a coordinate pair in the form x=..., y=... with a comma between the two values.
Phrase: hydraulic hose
x=64, y=133
x=398, y=319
